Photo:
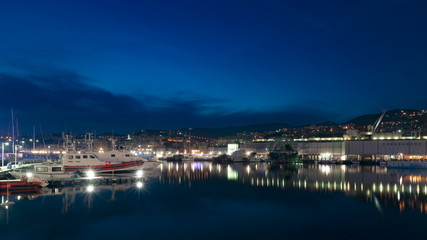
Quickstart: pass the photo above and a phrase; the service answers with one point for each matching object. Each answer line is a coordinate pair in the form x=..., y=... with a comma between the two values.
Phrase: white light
x=139, y=184
x=90, y=174
x=29, y=174
x=325, y=169
x=90, y=188
x=139, y=174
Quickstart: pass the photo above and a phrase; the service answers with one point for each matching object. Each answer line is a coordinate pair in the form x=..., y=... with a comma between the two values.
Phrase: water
x=211, y=201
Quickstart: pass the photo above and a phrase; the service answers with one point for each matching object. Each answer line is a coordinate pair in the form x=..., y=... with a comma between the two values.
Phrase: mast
x=89, y=141
x=13, y=136
x=13, y=132
x=34, y=138
x=113, y=143
x=17, y=139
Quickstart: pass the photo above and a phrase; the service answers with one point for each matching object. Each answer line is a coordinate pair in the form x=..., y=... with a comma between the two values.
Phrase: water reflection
x=87, y=189
x=402, y=189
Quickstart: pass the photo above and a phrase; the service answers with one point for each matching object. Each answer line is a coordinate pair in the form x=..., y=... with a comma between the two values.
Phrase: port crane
x=377, y=123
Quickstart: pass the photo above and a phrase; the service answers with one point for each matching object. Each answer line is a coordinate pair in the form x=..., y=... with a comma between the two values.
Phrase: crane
x=377, y=123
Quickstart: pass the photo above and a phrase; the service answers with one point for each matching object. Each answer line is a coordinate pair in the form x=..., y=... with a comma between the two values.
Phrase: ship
x=116, y=160
x=111, y=161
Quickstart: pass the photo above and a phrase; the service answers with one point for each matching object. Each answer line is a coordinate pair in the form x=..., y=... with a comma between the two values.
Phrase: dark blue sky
x=170, y=64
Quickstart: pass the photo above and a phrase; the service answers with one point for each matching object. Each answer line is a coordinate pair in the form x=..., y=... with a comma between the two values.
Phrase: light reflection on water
x=202, y=192
x=402, y=189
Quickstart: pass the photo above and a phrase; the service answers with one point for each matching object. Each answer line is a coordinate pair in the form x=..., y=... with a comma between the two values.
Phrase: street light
x=2, y=152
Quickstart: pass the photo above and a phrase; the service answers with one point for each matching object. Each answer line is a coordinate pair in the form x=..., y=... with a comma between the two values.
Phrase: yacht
x=89, y=160
x=111, y=161
x=44, y=171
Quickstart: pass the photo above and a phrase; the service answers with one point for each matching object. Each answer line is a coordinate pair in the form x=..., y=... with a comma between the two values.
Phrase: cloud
x=62, y=100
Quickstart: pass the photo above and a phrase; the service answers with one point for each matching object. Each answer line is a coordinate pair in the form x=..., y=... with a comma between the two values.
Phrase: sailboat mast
x=34, y=138
x=13, y=133
x=17, y=138
x=13, y=136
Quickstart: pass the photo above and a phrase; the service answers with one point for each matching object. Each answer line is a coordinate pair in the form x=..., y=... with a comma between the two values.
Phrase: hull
x=127, y=166
x=44, y=176
x=151, y=165
x=18, y=185
x=20, y=192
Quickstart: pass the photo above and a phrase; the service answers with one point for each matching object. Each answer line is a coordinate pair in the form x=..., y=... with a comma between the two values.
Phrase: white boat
x=111, y=161
x=43, y=171
x=89, y=160
x=242, y=156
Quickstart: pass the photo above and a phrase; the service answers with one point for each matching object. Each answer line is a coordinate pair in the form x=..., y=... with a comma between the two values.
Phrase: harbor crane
x=377, y=123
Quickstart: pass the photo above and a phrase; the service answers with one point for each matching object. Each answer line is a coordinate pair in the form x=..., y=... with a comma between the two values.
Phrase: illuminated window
x=41, y=169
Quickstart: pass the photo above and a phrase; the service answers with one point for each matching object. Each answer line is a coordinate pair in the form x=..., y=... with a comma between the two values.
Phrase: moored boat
x=43, y=171
x=18, y=184
x=111, y=161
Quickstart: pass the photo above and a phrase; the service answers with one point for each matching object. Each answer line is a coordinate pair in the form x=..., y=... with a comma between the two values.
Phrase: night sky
x=129, y=65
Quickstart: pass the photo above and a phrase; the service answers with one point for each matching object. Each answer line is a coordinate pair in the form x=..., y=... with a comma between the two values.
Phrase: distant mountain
x=364, y=120
x=407, y=118
x=328, y=123
x=393, y=115
x=234, y=130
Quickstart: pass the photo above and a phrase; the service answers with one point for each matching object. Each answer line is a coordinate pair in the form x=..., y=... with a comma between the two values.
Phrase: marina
x=213, y=120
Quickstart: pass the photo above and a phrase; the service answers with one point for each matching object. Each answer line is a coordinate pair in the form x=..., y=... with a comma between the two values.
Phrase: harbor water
x=205, y=200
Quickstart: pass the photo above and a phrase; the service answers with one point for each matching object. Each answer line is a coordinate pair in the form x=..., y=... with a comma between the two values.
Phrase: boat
x=116, y=160
x=111, y=161
x=151, y=164
x=242, y=156
x=44, y=171
x=19, y=184
x=23, y=193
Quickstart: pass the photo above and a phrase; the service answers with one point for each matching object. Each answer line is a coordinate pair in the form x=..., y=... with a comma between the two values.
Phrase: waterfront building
x=378, y=149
